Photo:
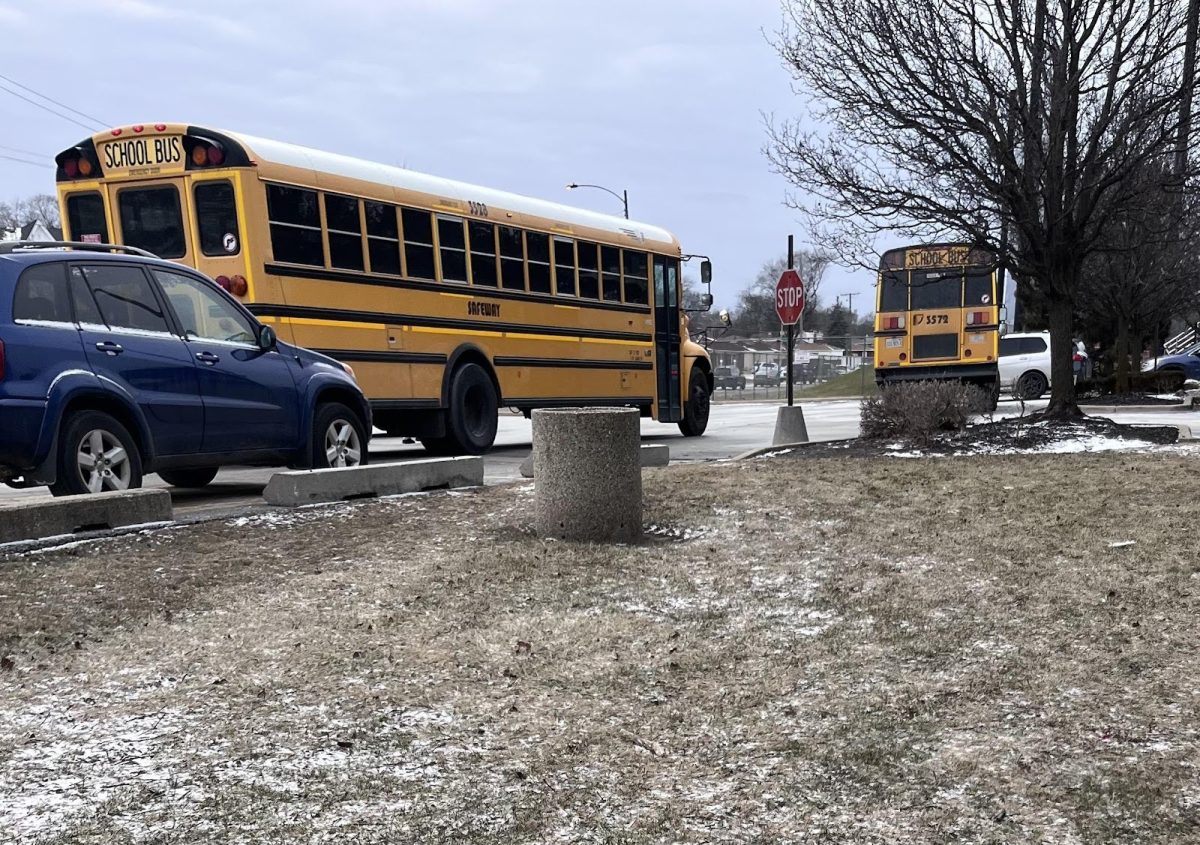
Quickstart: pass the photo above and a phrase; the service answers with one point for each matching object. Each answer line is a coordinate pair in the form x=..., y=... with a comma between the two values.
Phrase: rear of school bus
x=937, y=316
x=171, y=189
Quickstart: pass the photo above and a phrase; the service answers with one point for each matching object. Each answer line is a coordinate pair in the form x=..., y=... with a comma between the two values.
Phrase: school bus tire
x=472, y=417
x=698, y=405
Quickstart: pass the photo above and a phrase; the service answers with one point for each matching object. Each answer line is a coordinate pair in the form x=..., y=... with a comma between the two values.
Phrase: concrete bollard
x=789, y=426
x=651, y=455
x=587, y=474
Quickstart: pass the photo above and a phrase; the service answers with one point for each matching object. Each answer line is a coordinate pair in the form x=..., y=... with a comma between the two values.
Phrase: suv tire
x=195, y=478
x=96, y=454
x=1030, y=386
x=338, y=437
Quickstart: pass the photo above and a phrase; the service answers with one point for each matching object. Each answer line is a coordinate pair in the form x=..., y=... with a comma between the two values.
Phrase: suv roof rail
x=7, y=247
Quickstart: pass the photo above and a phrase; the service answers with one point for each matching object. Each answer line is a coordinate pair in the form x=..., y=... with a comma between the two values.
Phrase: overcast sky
x=664, y=98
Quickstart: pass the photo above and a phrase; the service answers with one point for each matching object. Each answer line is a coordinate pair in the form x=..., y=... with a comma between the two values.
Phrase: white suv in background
x=1025, y=364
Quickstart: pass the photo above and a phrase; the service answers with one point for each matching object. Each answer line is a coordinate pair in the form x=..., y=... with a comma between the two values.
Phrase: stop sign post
x=789, y=305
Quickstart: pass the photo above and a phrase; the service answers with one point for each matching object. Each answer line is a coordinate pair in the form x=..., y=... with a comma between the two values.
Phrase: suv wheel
x=339, y=439
x=200, y=477
x=96, y=454
x=1030, y=386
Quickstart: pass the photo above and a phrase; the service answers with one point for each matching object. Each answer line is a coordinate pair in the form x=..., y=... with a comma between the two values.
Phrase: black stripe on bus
x=404, y=404
x=642, y=402
x=301, y=312
x=381, y=356
x=322, y=274
x=571, y=363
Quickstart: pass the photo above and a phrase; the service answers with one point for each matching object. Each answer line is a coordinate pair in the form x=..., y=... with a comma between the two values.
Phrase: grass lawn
x=981, y=650
x=861, y=382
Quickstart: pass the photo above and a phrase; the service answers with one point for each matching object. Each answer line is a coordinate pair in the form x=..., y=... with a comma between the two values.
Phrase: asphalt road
x=734, y=428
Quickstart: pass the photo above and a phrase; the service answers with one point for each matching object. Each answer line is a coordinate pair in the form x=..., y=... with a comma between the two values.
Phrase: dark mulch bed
x=1000, y=437
x=1127, y=399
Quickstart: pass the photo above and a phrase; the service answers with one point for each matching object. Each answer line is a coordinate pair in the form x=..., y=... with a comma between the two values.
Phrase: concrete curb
x=77, y=514
x=309, y=487
x=766, y=450
x=1141, y=409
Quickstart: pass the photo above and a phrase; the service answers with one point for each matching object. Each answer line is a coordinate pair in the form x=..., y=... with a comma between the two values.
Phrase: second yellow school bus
x=449, y=300
x=937, y=316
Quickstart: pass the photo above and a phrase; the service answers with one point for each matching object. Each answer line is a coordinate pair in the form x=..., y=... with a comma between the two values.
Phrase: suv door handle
x=110, y=348
x=209, y=358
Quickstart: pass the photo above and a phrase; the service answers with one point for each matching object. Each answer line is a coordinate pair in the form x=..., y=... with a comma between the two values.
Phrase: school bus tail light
x=77, y=165
x=976, y=318
x=893, y=323
x=205, y=154
x=238, y=285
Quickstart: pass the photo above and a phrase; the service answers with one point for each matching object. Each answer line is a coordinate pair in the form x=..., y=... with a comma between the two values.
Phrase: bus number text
x=931, y=319
x=477, y=208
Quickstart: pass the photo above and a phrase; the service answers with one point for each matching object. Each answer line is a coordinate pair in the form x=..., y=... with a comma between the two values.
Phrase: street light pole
x=623, y=196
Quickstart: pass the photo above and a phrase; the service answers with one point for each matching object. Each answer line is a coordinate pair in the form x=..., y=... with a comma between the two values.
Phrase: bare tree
x=981, y=119
x=25, y=210
x=756, y=304
x=1132, y=290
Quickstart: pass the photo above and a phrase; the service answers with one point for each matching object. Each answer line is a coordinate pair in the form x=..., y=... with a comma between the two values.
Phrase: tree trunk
x=1062, y=377
x=1121, y=357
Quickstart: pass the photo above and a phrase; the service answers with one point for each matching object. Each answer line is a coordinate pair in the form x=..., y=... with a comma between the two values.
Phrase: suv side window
x=125, y=297
x=202, y=312
x=1010, y=346
x=42, y=295
x=1033, y=345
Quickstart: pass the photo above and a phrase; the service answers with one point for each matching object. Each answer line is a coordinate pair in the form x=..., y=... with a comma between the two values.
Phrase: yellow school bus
x=937, y=316
x=449, y=300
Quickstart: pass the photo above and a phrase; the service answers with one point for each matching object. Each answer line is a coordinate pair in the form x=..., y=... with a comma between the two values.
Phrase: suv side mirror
x=266, y=338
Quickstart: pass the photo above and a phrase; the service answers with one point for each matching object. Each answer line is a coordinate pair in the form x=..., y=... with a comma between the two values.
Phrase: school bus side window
x=345, y=232
x=383, y=238
x=216, y=217
x=636, y=277
x=418, y=243
x=295, y=219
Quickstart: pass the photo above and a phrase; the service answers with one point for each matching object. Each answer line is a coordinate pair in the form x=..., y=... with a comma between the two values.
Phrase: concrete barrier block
x=33, y=520
x=789, y=426
x=313, y=486
x=651, y=455
x=587, y=474
x=655, y=455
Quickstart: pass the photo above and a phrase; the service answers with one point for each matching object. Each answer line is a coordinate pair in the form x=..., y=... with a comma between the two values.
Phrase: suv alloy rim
x=342, y=448
x=102, y=462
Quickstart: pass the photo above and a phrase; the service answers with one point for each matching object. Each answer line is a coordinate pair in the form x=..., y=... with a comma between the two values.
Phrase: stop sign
x=789, y=297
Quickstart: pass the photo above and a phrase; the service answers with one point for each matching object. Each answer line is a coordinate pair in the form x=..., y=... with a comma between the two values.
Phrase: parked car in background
x=1025, y=364
x=768, y=375
x=115, y=364
x=729, y=378
x=1188, y=363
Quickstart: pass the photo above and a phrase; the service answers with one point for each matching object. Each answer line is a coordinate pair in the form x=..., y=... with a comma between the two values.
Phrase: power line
x=21, y=152
x=23, y=161
x=100, y=123
x=47, y=108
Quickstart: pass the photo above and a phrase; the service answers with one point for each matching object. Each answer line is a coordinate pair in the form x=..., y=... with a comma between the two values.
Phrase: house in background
x=35, y=231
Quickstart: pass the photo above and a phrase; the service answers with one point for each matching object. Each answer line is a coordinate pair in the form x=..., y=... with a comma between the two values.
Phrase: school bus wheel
x=471, y=417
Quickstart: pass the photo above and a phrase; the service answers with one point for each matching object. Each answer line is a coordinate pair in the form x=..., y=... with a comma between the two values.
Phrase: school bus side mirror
x=706, y=301
x=726, y=320
x=705, y=271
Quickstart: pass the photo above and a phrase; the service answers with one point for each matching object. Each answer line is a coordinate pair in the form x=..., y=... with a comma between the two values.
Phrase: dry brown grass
x=829, y=651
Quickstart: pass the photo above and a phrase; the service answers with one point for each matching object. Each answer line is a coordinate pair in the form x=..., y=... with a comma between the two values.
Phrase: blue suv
x=114, y=363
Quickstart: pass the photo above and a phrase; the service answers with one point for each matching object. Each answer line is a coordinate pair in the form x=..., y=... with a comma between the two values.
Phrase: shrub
x=918, y=410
